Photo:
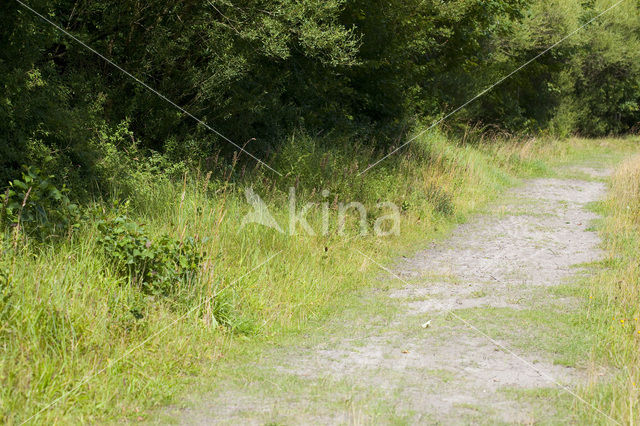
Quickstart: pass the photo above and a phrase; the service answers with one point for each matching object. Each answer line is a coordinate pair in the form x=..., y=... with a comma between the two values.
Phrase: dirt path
x=500, y=343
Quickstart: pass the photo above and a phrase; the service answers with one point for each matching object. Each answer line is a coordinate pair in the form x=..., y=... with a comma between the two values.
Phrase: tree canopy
x=260, y=69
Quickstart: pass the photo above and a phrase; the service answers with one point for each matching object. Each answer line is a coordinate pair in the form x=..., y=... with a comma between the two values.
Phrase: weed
x=156, y=265
x=35, y=205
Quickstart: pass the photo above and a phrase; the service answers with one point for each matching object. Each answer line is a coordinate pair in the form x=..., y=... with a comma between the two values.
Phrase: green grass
x=611, y=296
x=562, y=334
x=69, y=315
x=549, y=406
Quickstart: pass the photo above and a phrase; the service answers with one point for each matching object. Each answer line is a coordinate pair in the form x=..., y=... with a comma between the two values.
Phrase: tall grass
x=614, y=309
x=77, y=335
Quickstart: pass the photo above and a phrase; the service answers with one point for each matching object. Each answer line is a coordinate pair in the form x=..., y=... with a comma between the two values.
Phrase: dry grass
x=614, y=310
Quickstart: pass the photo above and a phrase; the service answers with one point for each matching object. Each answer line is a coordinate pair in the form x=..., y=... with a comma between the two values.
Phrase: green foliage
x=35, y=205
x=607, y=72
x=121, y=167
x=157, y=265
x=259, y=70
x=588, y=84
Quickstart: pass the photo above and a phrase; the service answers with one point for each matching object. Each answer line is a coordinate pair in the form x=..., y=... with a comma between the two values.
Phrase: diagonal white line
x=435, y=123
x=145, y=85
x=157, y=333
x=498, y=344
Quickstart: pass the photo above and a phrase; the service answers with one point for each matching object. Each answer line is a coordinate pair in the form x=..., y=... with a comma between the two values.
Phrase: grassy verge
x=613, y=294
x=79, y=335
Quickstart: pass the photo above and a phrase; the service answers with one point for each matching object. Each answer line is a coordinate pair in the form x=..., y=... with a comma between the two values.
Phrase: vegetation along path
x=471, y=329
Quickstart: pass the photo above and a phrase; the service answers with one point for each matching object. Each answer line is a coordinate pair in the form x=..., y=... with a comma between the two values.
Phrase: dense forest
x=257, y=71
x=126, y=269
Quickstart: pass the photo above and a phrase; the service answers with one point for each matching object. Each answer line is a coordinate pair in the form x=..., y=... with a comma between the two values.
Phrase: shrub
x=156, y=265
x=35, y=205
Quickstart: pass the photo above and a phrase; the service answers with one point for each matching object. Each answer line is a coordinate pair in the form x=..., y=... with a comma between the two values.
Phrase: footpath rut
x=429, y=346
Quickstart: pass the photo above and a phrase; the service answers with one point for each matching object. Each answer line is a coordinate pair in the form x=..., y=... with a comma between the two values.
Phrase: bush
x=156, y=265
x=36, y=206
